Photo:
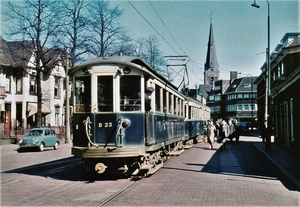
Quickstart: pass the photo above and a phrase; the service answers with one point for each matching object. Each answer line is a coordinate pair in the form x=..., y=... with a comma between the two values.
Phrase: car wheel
x=55, y=145
x=41, y=147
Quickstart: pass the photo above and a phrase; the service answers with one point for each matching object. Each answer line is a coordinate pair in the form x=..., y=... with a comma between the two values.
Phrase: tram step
x=154, y=169
x=176, y=153
x=188, y=146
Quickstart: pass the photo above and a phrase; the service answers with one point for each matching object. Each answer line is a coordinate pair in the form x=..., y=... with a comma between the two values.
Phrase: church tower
x=211, y=66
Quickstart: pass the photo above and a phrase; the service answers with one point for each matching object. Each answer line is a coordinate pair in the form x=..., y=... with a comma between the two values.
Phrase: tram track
x=116, y=194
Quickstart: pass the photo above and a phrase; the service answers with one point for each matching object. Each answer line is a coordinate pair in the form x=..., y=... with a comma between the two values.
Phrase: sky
x=240, y=30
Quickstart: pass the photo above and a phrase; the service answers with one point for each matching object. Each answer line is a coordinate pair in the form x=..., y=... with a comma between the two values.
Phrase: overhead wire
x=175, y=42
x=165, y=39
x=151, y=25
x=166, y=27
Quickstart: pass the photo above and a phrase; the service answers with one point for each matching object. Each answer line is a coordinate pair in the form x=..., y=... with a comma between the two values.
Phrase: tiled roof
x=21, y=52
x=18, y=53
x=244, y=84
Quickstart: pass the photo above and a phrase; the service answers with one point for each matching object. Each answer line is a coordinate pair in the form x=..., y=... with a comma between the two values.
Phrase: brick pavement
x=284, y=161
x=287, y=163
x=236, y=176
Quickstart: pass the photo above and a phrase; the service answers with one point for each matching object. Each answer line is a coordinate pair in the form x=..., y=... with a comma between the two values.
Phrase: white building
x=18, y=99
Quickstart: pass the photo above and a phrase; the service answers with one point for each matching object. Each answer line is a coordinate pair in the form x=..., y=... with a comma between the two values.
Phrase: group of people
x=221, y=130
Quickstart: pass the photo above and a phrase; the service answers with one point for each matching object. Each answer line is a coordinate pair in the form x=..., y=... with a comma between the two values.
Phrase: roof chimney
x=233, y=75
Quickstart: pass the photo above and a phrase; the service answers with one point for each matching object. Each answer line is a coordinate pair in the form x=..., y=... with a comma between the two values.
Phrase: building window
x=57, y=109
x=246, y=85
x=240, y=107
x=231, y=107
x=246, y=107
x=231, y=96
x=239, y=95
x=7, y=85
x=57, y=87
x=19, y=122
x=212, y=80
x=217, y=88
x=2, y=90
x=253, y=107
x=19, y=84
x=33, y=88
x=217, y=108
x=282, y=68
x=217, y=98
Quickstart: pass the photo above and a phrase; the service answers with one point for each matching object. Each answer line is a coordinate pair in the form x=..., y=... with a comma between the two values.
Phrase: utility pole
x=67, y=139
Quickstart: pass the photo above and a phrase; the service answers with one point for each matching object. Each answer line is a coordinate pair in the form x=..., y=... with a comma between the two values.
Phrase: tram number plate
x=105, y=125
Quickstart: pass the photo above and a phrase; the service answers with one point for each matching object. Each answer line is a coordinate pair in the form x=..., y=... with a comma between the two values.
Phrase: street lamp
x=252, y=107
x=268, y=85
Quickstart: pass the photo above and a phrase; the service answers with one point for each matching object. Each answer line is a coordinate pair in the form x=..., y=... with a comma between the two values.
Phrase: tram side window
x=176, y=106
x=83, y=94
x=105, y=93
x=164, y=101
x=157, y=98
x=130, y=87
x=170, y=103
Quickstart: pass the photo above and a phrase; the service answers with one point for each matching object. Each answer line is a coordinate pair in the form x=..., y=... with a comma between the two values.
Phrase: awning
x=32, y=109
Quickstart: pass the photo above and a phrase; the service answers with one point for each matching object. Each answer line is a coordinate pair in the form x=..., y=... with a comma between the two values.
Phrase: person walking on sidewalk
x=231, y=130
x=210, y=133
x=225, y=130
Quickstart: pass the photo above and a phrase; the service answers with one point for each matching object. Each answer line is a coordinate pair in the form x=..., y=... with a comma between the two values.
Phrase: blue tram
x=117, y=129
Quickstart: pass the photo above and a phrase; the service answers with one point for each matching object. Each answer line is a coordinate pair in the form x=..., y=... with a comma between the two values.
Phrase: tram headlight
x=126, y=70
x=125, y=123
x=84, y=71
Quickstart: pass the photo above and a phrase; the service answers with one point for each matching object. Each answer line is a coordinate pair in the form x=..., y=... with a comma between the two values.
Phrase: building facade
x=18, y=99
x=285, y=82
x=234, y=99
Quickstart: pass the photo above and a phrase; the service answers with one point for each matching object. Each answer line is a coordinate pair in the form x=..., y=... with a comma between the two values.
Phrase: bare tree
x=124, y=46
x=75, y=34
x=152, y=55
x=37, y=21
x=106, y=30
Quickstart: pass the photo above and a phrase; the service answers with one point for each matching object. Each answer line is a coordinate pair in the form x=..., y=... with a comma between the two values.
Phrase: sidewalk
x=286, y=162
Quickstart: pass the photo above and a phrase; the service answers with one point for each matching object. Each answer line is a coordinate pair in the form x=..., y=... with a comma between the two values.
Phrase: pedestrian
x=238, y=129
x=210, y=130
x=225, y=130
x=231, y=130
x=263, y=131
x=217, y=129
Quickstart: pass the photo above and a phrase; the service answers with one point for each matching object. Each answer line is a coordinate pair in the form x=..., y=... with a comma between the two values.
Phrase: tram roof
x=123, y=60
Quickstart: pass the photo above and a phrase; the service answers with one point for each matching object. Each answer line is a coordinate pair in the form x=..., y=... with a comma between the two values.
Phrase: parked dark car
x=39, y=138
x=243, y=126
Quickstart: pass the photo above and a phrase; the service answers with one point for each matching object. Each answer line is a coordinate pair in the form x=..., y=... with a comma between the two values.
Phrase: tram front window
x=105, y=93
x=130, y=87
x=83, y=94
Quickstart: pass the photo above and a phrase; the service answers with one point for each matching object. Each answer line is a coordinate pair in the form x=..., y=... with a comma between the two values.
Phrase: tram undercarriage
x=135, y=167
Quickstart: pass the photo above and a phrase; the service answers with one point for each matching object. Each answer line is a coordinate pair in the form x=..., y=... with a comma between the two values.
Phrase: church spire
x=211, y=66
